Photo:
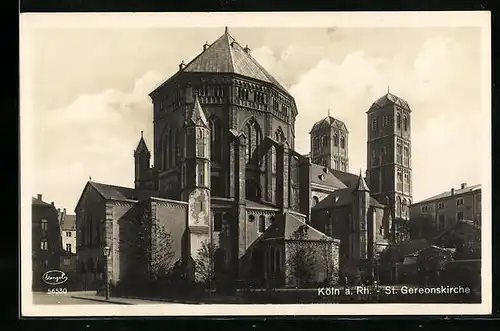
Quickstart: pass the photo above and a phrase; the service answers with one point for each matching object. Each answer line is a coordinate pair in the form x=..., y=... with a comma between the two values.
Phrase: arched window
x=342, y=142
x=254, y=137
x=226, y=223
x=279, y=135
x=399, y=205
x=166, y=149
x=315, y=200
x=251, y=218
x=405, y=123
x=398, y=120
x=217, y=222
x=215, y=139
x=262, y=223
x=178, y=139
x=336, y=139
x=253, y=191
x=171, y=148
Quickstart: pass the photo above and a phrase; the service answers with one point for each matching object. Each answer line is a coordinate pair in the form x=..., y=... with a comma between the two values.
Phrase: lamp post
x=106, y=251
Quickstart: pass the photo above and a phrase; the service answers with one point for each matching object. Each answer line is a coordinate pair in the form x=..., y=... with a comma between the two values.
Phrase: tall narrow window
x=336, y=139
x=44, y=227
x=200, y=169
x=68, y=247
x=398, y=120
x=325, y=141
x=405, y=123
x=44, y=245
x=166, y=149
x=279, y=135
x=262, y=223
x=226, y=223
x=342, y=142
x=217, y=222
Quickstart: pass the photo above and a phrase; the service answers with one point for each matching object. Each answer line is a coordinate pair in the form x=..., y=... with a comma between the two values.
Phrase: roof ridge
x=230, y=49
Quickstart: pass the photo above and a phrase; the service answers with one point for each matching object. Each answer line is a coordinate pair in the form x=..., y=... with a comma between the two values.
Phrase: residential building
x=45, y=239
x=68, y=262
x=444, y=210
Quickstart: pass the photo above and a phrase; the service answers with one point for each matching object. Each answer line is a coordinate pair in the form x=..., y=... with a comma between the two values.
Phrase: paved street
x=42, y=298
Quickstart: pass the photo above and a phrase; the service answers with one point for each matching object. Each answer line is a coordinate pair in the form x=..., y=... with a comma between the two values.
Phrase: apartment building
x=447, y=208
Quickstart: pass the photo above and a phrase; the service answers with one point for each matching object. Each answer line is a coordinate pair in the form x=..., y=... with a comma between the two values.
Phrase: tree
x=162, y=255
x=301, y=259
x=204, y=263
x=154, y=246
x=327, y=259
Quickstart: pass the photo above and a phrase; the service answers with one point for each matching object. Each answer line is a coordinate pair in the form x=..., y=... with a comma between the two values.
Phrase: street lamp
x=106, y=251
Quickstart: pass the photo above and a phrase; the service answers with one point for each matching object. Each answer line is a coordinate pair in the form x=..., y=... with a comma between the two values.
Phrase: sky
x=90, y=95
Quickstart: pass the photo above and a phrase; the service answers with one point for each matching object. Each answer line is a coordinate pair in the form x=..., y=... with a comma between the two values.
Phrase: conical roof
x=196, y=116
x=329, y=122
x=361, y=185
x=141, y=146
x=226, y=55
x=389, y=99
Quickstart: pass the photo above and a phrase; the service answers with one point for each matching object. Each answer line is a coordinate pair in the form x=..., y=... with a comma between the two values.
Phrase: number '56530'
x=57, y=290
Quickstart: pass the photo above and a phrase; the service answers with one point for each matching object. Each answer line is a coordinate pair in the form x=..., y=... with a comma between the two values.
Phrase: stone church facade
x=225, y=173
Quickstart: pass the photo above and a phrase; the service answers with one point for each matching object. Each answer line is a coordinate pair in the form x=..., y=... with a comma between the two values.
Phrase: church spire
x=361, y=185
x=141, y=146
x=196, y=115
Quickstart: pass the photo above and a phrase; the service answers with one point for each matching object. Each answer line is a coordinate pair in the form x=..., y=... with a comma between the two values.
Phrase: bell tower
x=389, y=170
x=329, y=144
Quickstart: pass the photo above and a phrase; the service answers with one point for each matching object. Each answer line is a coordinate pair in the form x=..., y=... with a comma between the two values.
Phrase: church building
x=224, y=174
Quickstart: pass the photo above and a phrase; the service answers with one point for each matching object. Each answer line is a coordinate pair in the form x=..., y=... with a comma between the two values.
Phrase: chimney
x=452, y=191
x=39, y=197
x=205, y=46
x=181, y=66
x=463, y=185
x=247, y=49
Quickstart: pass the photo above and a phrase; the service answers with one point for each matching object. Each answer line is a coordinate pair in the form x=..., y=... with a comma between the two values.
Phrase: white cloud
x=441, y=89
x=93, y=136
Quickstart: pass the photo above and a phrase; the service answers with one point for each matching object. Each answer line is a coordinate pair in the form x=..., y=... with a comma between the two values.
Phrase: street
x=42, y=298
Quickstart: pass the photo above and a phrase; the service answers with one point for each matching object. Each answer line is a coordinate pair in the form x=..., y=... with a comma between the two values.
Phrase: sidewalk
x=91, y=296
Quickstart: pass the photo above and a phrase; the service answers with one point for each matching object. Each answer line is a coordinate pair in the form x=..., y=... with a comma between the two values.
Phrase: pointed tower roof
x=226, y=55
x=389, y=99
x=196, y=115
x=329, y=122
x=361, y=185
x=141, y=146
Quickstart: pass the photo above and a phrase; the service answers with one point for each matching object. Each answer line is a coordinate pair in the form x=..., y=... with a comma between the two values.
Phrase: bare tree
x=300, y=258
x=326, y=258
x=162, y=254
x=154, y=246
x=204, y=263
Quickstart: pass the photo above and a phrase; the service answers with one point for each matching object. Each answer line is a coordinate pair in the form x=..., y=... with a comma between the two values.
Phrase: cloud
x=439, y=83
x=94, y=136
